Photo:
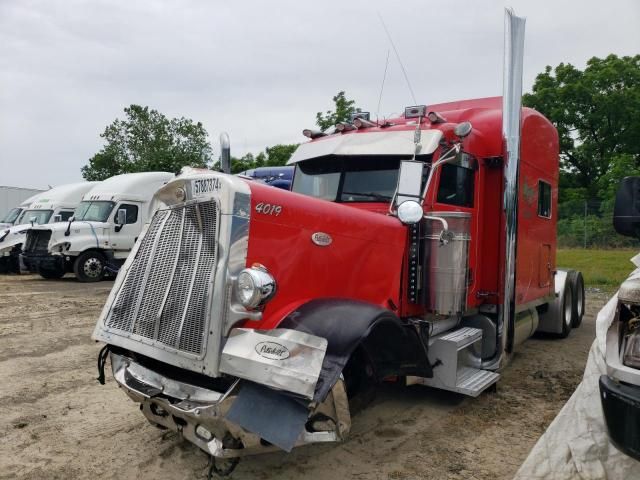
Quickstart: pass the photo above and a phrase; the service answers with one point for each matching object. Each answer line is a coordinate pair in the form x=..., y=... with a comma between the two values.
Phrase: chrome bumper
x=198, y=414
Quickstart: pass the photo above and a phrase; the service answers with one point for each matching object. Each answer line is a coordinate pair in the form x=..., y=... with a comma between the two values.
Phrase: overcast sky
x=259, y=70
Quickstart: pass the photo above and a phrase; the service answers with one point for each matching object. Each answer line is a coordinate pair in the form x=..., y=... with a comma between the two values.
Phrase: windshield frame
x=12, y=215
x=343, y=165
x=98, y=203
x=26, y=216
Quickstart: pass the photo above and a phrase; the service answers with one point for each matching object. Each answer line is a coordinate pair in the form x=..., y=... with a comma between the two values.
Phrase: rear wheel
x=576, y=281
x=89, y=267
x=566, y=312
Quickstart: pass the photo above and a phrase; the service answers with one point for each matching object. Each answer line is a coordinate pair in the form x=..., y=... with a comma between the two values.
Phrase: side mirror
x=72, y=219
x=33, y=221
x=121, y=219
x=626, y=213
x=409, y=182
x=57, y=218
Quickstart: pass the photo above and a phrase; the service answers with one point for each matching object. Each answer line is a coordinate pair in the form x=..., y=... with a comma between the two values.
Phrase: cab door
x=124, y=236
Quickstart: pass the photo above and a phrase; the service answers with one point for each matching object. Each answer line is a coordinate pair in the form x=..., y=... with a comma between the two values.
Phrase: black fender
x=394, y=347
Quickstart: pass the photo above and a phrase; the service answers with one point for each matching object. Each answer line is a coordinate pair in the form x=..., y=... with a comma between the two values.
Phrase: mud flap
x=275, y=416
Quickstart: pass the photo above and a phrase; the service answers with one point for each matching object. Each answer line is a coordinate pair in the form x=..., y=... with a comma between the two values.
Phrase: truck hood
x=10, y=237
x=320, y=249
x=80, y=230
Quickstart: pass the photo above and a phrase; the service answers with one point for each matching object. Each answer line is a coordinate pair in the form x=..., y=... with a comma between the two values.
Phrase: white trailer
x=13, y=201
x=55, y=205
x=101, y=233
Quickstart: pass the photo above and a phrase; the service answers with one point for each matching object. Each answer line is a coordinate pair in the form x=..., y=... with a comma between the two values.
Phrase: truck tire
x=566, y=313
x=575, y=279
x=51, y=273
x=89, y=266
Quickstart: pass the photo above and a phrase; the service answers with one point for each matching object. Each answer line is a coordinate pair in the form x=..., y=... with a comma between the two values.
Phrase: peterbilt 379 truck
x=98, y=237
x=419, y=249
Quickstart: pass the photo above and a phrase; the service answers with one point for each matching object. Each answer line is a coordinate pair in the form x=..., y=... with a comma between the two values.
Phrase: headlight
x=632, y=347
x=60, y=247
x=255, y=286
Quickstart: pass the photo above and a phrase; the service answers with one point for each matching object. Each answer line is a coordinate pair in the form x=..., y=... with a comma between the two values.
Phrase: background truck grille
x=165, y=291
x=37, y=242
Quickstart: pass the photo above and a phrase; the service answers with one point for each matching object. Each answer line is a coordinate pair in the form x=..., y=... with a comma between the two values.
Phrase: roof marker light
x=344, y=127
x=313, y=133
x=435, y=117
x=416, y=111
x=363, y=123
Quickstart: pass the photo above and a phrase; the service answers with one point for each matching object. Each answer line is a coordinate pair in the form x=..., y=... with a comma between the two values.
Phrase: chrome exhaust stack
x=511, y=120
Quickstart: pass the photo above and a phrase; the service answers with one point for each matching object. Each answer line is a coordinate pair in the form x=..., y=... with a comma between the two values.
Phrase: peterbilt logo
x=321, y=239
x=272, y=351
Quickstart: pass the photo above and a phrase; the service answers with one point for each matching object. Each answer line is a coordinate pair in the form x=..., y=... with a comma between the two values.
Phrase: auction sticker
x=202, y=187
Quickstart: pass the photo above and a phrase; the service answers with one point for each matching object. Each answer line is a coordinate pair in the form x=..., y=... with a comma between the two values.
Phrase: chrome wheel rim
x=92, y=267
x=568, y=305
x=580, y=300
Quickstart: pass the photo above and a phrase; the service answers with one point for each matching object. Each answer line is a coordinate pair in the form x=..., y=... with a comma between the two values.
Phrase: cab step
x=455, y=357
x=474, y=381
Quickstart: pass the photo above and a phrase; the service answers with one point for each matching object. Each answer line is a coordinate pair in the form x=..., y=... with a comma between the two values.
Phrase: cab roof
x=129, y=186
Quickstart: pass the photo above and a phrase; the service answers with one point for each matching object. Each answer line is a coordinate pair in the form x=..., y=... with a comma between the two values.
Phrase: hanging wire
x=395, y=50
x=384, y=77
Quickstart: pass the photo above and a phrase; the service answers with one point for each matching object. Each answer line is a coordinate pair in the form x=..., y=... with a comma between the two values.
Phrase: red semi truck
x=419, y=248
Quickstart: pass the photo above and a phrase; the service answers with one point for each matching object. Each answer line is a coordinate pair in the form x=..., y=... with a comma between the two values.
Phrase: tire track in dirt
x=58, y=422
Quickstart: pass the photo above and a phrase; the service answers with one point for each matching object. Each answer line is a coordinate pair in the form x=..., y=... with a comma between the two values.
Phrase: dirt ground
x=58, y=422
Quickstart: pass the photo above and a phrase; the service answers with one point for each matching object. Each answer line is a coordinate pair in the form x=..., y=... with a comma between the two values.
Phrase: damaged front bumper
x=199, y=414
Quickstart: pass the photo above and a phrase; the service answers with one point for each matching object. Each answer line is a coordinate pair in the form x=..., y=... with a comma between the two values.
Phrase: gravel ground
x=58, y=422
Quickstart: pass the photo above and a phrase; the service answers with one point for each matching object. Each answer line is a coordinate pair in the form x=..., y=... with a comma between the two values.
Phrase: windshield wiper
x=374, y=195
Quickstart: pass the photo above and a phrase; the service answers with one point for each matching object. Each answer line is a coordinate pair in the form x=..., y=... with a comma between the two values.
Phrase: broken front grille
x=37, y=242
x=164, y=294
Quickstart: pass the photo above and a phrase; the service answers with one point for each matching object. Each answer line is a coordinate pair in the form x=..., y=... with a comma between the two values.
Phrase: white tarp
x=576, y=445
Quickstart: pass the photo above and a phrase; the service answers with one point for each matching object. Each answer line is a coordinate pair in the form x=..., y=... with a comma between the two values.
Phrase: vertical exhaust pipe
x=511, y=119
x=225, y=153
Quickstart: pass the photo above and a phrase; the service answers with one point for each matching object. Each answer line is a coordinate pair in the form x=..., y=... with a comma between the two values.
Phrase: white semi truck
x=14, y=215
x=55, y=205
x=97, y=239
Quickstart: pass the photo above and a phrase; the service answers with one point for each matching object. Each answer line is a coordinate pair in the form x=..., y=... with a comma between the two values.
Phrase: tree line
x=596, y=111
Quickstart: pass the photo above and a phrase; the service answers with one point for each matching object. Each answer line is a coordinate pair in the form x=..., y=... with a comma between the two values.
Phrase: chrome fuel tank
x=447, y=264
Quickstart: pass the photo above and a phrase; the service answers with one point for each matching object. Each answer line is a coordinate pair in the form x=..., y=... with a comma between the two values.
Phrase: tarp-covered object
x=576, y=445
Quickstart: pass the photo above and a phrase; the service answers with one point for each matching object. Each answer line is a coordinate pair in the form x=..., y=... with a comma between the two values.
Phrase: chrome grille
x=164, y=293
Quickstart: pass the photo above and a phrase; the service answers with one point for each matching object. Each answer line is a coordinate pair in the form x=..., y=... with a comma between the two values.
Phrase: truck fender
x=551, y=318
x=394, y=347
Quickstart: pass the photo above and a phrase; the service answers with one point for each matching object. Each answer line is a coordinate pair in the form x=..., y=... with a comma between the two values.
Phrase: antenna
x=395, y=50
x=386, y=65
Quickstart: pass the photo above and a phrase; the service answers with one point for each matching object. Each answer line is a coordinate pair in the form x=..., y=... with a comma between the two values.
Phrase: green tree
x=145, y=141
x=596, y=112
x=271, y=157
x=342, y=113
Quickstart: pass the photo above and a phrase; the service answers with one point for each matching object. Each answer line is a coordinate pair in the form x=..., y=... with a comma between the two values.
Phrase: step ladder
x=456, y=367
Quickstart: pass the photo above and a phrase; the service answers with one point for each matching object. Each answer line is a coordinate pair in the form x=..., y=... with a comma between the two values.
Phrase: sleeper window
x=544, y=199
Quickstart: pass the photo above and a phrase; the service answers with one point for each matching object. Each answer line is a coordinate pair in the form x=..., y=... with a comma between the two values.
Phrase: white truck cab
x=97, y=239
x=13, y=216
x=55, y=205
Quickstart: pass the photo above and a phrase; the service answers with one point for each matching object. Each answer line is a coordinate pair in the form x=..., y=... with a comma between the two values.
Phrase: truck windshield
x=348, y=179
x=11, y=216
x=39, y=217
x=94, y=211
